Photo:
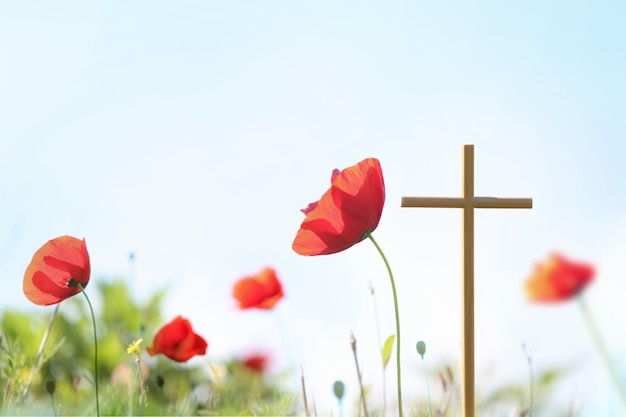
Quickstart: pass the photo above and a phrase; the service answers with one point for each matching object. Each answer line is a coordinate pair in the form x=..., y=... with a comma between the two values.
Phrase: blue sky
x=191, y=133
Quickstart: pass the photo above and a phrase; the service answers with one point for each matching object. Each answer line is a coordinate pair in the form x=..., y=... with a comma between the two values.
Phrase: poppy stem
x=604, y=351
x=95, y=347
x=395, y=304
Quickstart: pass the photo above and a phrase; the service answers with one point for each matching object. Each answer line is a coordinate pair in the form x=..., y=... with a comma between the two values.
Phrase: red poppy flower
x=262, y=290
x=256, y=362
x=558, y=279
x=56, y=270
x=177, y=341
x=346, y=213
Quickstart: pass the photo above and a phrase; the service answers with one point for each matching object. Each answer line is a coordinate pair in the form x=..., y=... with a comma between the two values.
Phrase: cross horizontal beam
x=476, y=202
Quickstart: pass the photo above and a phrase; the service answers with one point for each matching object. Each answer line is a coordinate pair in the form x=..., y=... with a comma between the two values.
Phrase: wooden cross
x=468, y=203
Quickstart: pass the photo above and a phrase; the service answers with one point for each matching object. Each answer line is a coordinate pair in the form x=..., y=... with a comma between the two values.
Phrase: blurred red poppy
x=56, y=270
x=262, y=290
x=256, y=362
x=346, y=213
x=177, y=341
x=558, y=279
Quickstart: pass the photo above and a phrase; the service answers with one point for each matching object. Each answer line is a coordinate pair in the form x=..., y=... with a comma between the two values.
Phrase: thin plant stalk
x=95, y=348
x=430, y=405
x=395, y=304
x=284, y=336
x=421, y=350
x=42, y=346
x=143, y=390
x=314, y=406
x=340, y=408
x=54, y=408
x=531, y=376
x=358, y=372
x=134, y=348
x=51, y=387
x=602, y=348
x=7, y=392
x=380, y=347
x=306, y=405
x=182, y=405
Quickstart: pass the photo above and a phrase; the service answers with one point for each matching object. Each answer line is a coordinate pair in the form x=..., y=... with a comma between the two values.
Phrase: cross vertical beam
x=468, y=203
x=467, y=286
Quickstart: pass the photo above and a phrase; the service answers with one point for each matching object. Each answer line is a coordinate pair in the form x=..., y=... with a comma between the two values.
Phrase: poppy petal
x=256, y=362
x=350, y=209
x=177, y=341
x=360, y=194
x=48, y=276
x=558, y=279
x=261, y=291
x=42, y=290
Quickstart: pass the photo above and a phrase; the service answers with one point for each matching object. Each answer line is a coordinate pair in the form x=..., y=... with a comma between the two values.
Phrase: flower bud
x=421, y=348
x=339, y=389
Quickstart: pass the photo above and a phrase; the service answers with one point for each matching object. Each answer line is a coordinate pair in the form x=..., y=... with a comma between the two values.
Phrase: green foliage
x=282, y=406
x=123, y=316
x=218, y=389
x=510, y=399
x=23, y=329
x=67, y=366
x=386, y=352
x=14, y=371
x=238, y=391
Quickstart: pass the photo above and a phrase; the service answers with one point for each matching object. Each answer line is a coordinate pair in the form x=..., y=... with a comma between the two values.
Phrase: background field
x=191, y=133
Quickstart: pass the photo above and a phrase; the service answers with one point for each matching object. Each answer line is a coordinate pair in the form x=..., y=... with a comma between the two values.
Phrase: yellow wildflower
x=134, y=347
